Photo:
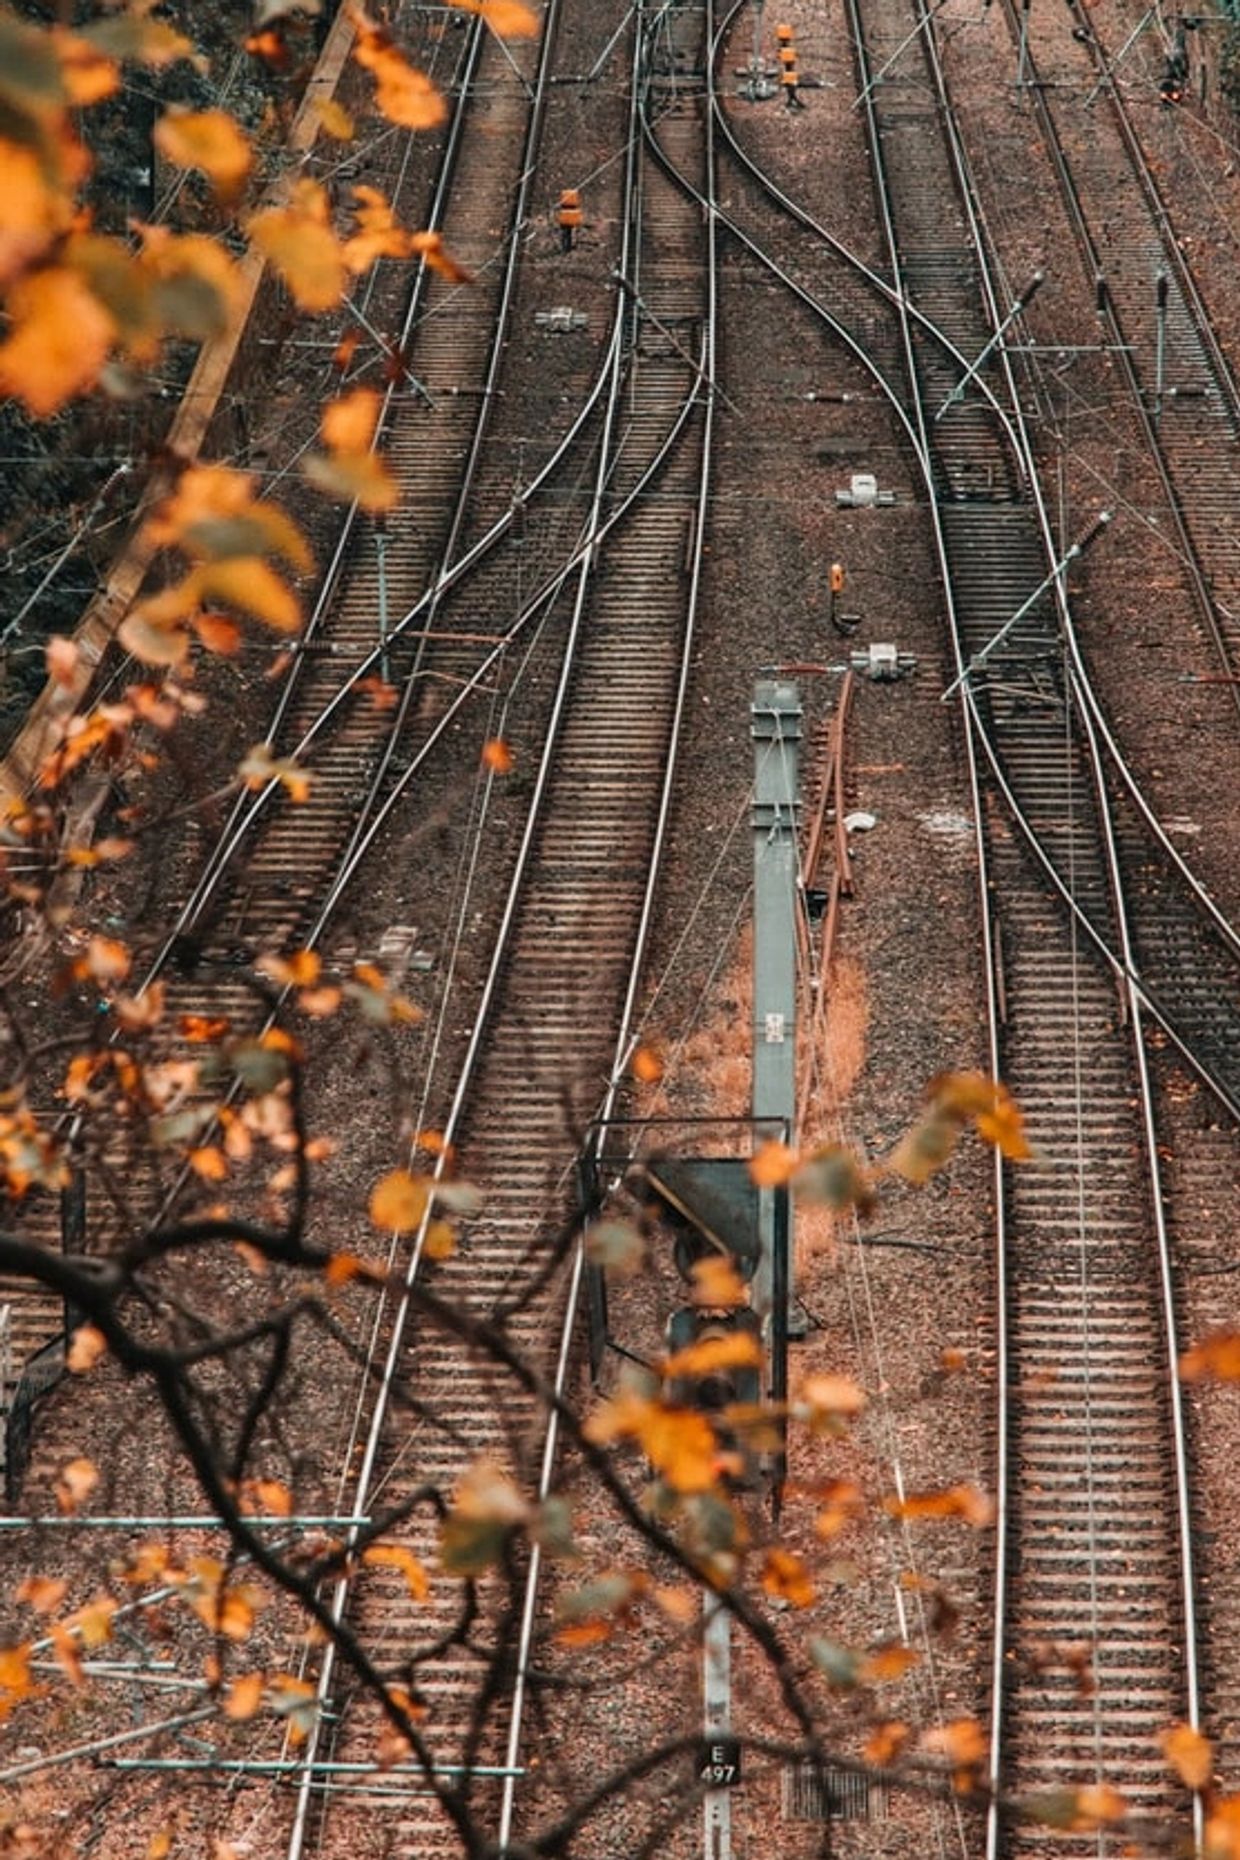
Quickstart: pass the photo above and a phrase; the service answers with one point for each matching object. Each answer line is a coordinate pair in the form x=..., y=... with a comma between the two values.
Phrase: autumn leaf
x=160, y=1846
x=439, y=1241
x=75, y=1483
x=86, y=1348
x=354, y=478
x=497, y=756
x=430, y=248
x=829, y=1402
x=832, y=1176
x=509, y=18
x=59, y=338
x=772, y=1164
x=842, y=1502
x=957, y=1501
x=1217, y=1356
x=962, y=1742
x=252, y=585
x=399, y=1201
x=379, y=234
x=885, y=1742
x=335, y=119
x=260, y=767
x=397, y=1556
x=785, y=1577
x=207, y=139
x=738, y=1349
x=888, y=1661
x=86, y=72
x=62, y=658
x=299, y=970
x=42, y=1593
x=93, y=1621
x=1190, y=1755
x=923, y=1150
x=217, y=633
x=716, y=1283
x=487, y=1508
x=343, y=1268
x=299, y=241
x=293, y=1700
x=15, y=1678
x=244, y=1696
x=403, y=94
x=140, y=39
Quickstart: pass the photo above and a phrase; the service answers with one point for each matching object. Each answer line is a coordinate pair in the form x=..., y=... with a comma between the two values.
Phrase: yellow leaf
x=354, y=477
x=399, y=1201
x=300, y=243
x=404, y=95
x=154, y=644
x=681, y=1445
x=440, y=1241
x=785, y=1576
x=253, y=585
x=161, y=1845
x=94, y=1621
x=379, y=234
x=717, y=1286
x=244, y=1696
x=1190, y=1755
x=396, y=1556
x=59, y=338
x=88, y=76
x=206, y=139
x=509, y=18
x=75, y=1483
x=349, y=423
x=88, y=1345
x=33, y=211
x=335, y=119
x=735, y=1350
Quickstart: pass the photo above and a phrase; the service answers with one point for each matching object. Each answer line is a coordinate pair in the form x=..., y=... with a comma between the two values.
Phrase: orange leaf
x=957, y=1501
x=404, y=95
x=885, y=1742
x=209, y=1162
x=94, y=1621
x=349, y=423
x=1190, y=1755
x=88, y=1345
x=244, y=1696
x=43, y=1593
x=218, y=634
x=889, y=1661
x=15, y=1671
x=62, y=657
x=772, y=1165
x=509, y=18
x=253, y=585
x=399, y=1201
x=717, y=1285
x=430, y=247
x=300, y=243
x=59, y=339
x=335, y=119
x=206, y=139
x=785, y=1576
x=962, y=1742
x=497, y=756
x=396, y=1556
x=343, y=1267
x=735, y=1350
x=1217, y=1355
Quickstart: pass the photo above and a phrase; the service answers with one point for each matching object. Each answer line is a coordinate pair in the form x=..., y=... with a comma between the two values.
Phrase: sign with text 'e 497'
x=719, y=1761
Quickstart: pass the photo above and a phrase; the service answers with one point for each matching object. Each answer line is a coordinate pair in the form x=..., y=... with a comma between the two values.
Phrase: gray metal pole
x=717, y=1718
x=776, y=727
x=1160, y=353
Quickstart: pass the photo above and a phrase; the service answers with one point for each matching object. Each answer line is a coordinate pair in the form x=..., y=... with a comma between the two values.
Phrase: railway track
x=1095, y=1545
